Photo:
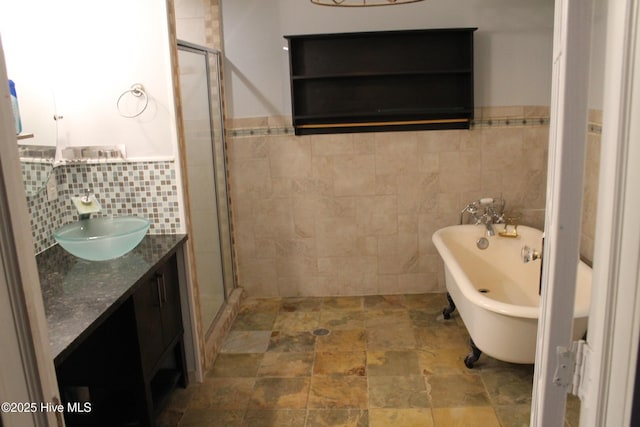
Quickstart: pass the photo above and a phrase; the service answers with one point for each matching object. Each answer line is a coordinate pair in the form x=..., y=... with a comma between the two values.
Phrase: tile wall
x=147, y=189
x=34, y=173
x=590, y=195
x=353, y=214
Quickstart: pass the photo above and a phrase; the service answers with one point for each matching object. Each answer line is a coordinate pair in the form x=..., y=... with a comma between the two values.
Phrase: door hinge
x=571, y=367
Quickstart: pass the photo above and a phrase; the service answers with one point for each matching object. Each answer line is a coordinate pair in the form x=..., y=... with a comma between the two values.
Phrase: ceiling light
x=361, y=3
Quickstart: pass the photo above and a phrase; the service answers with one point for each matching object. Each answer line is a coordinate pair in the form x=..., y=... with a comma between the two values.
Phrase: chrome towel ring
x=136, y=90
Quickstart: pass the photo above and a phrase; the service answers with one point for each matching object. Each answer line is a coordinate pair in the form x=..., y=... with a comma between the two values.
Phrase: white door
x=27, y=375
x=567, y=142
x=614, y=321
x=608, y=373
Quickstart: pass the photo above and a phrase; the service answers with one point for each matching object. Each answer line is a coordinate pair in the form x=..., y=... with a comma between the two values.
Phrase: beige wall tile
x=322, y=167
x=408, y=223
x=459, y=171
x=258, y=277
x=439, y=141
x=367, y=245
x=429, y=162
x=247, y=148
x=264, y=248
x=304, y=224
x=296, y=266
x=286, y=248
x=334, y=207
x=449, y=202
x=250, y=176
x=353, y=214
x=429, y=224
x=332, y=145
x=414, y=283
x=290, y=156
x=590, y=197
x=274, y=218
x=536, y=142
x=387, y=284
x=430, y=263
x=352, y=275
x=300, y=286
x=311, y=186
x=245, y=242
x=336, y=237
x=364, y=143
x=293, y=165
x=354, y=175
x=386, y=184
x=503, y=149
x=281, y=186
x=377, y=215
x=398, y=254
x=396, y=153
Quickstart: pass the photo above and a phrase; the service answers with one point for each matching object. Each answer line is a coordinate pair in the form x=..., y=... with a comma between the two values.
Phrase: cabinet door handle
x=159, y=289
x=163, y=297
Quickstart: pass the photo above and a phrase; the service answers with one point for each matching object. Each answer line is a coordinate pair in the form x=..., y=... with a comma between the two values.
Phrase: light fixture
x=361, y=3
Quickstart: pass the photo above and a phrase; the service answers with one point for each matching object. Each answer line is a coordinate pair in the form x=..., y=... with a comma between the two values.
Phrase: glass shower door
x=206, y=174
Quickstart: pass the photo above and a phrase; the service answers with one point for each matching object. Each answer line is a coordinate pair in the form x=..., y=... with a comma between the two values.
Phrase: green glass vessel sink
x=102, y=238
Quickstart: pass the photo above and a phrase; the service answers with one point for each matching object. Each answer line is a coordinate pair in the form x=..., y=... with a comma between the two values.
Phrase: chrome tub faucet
x=487, y=211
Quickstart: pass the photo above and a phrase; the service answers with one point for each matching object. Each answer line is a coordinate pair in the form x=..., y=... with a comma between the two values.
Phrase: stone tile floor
x=384, y=361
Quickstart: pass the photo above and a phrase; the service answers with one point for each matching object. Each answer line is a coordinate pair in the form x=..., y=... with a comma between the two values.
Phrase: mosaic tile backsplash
x=34, y=175
x=147, y=189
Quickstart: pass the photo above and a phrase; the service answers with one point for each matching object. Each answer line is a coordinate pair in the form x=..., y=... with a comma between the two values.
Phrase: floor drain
x=321, y=332
x=483, y=291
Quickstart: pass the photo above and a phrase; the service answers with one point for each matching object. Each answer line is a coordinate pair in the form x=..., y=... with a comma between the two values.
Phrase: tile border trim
x=593, y=128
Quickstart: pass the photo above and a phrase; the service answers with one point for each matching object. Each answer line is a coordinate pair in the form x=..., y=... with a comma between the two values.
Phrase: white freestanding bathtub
x=496, y=293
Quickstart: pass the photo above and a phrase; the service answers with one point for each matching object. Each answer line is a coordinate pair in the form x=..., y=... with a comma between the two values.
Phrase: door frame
x=608, y=373
x=567, y=148
x=27, y=373
x=614, y=323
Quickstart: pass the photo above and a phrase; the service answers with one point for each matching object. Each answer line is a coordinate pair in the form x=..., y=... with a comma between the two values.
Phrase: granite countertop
x=79, y=295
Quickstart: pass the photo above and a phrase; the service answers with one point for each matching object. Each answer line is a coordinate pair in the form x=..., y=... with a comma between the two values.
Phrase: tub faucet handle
x=529, y=254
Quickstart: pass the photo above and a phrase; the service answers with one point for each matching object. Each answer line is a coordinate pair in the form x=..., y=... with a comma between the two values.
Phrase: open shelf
x=162, y=384
x=24, y=136
x=381, y=81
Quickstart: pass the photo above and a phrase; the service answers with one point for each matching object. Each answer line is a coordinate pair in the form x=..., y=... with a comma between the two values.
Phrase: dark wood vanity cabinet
x=128, y=365
x=160, y=334
x=158, y=315
x=382, y=81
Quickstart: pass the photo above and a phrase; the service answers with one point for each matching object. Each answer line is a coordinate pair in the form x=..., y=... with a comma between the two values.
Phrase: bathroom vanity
x=116, y=331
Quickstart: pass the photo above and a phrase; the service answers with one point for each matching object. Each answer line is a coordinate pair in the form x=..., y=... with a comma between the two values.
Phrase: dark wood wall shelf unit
x=381, y=81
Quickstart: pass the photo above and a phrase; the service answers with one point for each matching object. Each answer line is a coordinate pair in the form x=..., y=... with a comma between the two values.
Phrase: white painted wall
x=513, y=45
x=29, y=56
x=90, y=53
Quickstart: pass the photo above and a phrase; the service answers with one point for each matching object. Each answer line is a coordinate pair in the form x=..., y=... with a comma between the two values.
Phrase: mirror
x=28, y=66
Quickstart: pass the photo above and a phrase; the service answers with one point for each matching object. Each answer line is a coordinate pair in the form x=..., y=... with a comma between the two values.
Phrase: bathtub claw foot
x=473, y=356
x=446, y=312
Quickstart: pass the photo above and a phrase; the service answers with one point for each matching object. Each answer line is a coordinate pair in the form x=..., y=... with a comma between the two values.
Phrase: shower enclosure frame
x=219, y=158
